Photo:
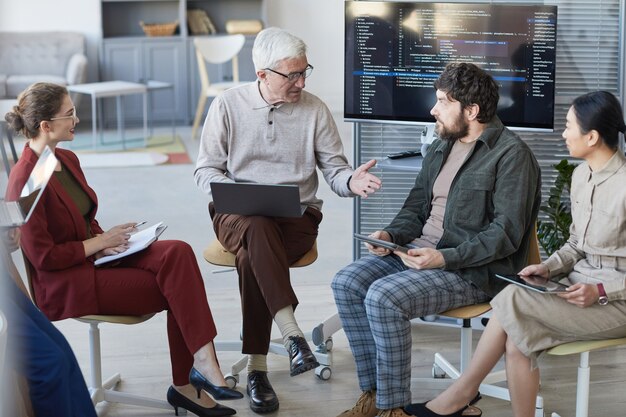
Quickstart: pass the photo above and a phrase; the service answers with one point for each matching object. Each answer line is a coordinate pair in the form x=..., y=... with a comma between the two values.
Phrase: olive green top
x=491, y=208
x=78, y=195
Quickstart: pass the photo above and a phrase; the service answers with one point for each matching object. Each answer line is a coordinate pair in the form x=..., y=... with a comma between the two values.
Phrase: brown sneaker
x=395, y=412
x=365, y=406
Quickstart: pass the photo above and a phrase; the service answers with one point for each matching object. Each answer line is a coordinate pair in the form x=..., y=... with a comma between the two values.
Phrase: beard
x=458, y=130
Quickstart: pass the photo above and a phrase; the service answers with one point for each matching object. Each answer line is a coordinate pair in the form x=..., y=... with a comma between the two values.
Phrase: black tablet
x=535, y=283
x=381, y=243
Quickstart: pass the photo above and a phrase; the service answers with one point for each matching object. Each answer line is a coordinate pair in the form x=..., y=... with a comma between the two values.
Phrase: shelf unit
x=120, y=18
x=127, y=54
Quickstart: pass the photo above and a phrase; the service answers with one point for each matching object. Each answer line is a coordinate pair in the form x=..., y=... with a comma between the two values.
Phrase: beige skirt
x=536, y=322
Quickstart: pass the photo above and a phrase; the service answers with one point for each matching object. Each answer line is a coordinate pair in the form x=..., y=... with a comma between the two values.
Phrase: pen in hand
x=140, y=224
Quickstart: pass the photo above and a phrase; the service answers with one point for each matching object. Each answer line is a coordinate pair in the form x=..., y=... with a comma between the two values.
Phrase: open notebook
x=137, y=242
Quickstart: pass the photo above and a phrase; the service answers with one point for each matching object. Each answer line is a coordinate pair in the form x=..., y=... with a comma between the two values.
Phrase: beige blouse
x=596, y=249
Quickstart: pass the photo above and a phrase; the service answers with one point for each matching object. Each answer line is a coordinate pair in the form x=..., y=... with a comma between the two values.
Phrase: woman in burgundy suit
x=62, y=239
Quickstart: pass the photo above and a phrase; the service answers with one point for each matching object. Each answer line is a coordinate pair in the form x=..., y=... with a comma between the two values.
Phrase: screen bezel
x=422, y=120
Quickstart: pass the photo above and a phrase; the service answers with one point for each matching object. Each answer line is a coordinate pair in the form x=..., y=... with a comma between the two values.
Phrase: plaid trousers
x=376, y=298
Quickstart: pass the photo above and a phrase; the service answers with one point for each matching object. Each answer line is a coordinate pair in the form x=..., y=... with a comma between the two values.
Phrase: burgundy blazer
x=63, y=278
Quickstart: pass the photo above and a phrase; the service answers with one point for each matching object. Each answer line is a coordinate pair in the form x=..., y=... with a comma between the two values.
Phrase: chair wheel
x=438, y=373
x=329, y=344
x=323, y=372
x=231, y=380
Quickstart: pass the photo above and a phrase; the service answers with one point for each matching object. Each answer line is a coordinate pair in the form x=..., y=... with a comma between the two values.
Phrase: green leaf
x=553, y=230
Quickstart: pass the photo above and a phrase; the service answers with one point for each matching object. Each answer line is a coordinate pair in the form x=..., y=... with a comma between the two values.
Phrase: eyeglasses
x=292, y=77
x=72, y=116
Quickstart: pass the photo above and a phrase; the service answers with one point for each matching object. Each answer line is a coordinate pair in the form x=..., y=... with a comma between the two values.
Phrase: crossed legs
x=523, y=382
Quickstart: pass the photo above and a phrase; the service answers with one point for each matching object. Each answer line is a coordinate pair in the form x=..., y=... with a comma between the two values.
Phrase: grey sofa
x=29, y=57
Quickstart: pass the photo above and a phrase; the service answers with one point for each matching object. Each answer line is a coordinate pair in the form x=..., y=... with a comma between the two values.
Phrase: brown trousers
x=264, y=249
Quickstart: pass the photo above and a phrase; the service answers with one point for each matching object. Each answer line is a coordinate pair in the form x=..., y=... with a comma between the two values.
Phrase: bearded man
x=469, y=216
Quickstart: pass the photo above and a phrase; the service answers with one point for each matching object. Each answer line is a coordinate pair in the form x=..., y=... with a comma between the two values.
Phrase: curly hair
x=469, y=85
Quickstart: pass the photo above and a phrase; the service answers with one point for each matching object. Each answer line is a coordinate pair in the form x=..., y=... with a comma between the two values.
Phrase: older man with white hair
x=272, y=131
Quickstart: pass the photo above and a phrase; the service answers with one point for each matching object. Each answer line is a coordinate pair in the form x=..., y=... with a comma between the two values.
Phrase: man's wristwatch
x=603, y=299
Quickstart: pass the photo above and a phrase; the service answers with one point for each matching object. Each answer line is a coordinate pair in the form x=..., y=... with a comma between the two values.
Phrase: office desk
x=5, y=107
x=412, y=164
x=116, y=89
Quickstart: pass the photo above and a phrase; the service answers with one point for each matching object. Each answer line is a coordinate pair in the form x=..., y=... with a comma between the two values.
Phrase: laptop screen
x=37, y=181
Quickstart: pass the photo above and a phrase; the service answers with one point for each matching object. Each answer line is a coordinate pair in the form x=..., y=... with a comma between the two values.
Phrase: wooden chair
x=105, y=391
x=321, y=336
x=442, y=368
x=582, y=385
x=215, y=50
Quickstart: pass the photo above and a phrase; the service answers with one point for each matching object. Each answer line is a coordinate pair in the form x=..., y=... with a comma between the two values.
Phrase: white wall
x=62, y=15
x=320, y=24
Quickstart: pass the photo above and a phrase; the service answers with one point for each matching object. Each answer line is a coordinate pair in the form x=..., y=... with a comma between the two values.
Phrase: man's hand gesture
x=362, y=182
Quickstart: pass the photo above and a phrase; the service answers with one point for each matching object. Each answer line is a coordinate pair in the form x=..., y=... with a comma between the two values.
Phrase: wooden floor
x=140, y=352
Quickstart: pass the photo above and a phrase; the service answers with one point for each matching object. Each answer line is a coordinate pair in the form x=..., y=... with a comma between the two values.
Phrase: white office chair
x=442, y=368
x=105, y=391
x=584, y=371
x=215, y=50
x=321, y=336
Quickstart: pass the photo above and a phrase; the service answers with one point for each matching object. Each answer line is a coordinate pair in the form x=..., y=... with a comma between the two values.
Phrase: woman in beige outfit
x=525, y=323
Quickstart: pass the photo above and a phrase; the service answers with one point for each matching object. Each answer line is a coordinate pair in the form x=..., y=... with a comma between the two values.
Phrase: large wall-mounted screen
x=395, y=50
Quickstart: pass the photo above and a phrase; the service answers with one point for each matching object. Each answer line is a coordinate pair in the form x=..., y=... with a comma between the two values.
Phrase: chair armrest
x=76, y=72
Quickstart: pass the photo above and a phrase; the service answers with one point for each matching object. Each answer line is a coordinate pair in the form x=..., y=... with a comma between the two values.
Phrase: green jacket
x=491, y=210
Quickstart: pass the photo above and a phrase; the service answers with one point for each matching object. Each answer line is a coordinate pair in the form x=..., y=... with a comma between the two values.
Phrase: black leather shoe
x=178, y=400
x=263, y=399
x=199, y=382
x=301, y=359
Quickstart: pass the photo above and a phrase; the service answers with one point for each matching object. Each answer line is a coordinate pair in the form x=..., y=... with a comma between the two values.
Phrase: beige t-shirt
x=433, y=229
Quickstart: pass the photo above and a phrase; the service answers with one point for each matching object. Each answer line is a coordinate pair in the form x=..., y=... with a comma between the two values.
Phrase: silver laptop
x=16, y=213
x=252, y=199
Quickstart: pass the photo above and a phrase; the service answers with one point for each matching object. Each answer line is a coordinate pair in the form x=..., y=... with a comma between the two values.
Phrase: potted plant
x=553, y=228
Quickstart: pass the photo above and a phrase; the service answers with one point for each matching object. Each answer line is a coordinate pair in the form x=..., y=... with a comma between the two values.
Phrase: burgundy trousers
x=264, y=248
x=165, y=276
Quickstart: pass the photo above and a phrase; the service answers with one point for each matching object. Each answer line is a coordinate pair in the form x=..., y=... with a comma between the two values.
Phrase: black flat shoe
x=420, y=410
x=178, y=400
x=199, y=382
x=301, y=359
x=263, y=399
